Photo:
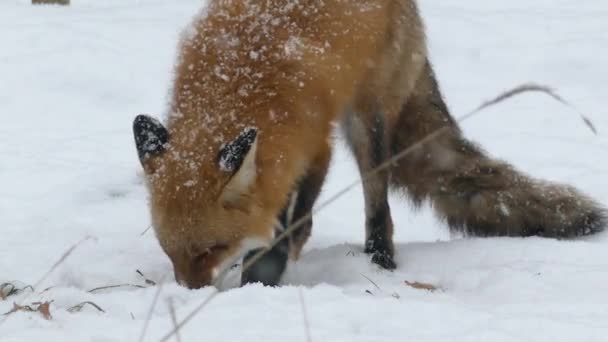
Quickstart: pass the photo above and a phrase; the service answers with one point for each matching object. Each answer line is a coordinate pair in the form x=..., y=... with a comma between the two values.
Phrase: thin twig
x=304, y=315
x=371, y=281
x=150, y=311
x=48, y=288
x=145, y=231
x=148, y=281
x=191, y=315
x=115, y=286
x=63, y=257
x=394, y=294
x=78, y=307
x=532, y=87
x=173, y=318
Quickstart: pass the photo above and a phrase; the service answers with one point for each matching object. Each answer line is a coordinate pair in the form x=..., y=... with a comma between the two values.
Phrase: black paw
x=384, y=260
x=267, y=270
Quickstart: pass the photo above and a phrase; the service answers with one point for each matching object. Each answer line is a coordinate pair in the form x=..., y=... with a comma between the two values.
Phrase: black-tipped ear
x=233, y=154
x=239, y=158
x=150, y=137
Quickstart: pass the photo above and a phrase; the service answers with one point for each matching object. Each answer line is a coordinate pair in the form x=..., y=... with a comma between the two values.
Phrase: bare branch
x=150, y=311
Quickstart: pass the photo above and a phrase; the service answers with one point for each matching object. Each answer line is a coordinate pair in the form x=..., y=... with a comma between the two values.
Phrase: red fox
x=258, y=88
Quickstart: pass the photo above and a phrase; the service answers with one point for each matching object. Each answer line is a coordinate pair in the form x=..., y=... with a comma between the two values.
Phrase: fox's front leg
x=270, y=267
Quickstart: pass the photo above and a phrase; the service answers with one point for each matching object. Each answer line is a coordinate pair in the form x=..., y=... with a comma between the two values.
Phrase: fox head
x=205, y=211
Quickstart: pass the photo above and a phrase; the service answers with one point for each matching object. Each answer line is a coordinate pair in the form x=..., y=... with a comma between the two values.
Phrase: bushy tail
x=474, y=193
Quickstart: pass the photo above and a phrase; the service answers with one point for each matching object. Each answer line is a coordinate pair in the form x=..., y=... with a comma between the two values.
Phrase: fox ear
x=150, y=137
x=238, y=158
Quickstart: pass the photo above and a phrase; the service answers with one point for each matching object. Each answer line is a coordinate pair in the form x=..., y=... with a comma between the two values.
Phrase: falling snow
x=74, y=78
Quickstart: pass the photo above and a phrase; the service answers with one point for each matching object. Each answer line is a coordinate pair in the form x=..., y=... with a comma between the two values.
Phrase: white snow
x=73, y=78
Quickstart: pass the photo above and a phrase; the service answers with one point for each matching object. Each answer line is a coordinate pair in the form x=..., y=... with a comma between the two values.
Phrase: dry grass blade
x=532, y=87
x=191, y=315
x=394, y=294
x=521, y=89
x=371, y=281
x=174, y=319
x=63, y=257
x=10, y=289
x=304, y=315
x=422, y=286
x=145, y=231
x=78, y=307
x=150, y=311
x=48, y=289
x=146, y=280
x=101, y=288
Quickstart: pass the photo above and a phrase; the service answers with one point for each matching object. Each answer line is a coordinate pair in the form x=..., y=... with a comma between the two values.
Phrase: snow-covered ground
x=72, y=79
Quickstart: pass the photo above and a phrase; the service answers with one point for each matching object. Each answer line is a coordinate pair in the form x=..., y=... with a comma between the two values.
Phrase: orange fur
x=291, y=70
x=288, y=69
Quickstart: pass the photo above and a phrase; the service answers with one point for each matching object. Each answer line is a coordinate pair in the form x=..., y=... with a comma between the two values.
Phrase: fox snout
x=209, y=267
x=197, y=270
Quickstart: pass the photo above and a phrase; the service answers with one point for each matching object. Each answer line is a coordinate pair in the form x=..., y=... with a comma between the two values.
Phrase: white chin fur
x=223, y=277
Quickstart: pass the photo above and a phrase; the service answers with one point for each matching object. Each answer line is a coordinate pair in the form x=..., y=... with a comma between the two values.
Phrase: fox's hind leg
x=270, y=267
x=365, y=130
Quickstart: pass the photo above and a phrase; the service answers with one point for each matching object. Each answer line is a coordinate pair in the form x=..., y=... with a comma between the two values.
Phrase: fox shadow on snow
x=464, y=261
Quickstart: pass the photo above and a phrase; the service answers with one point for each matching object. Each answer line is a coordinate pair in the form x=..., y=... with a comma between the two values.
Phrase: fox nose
x=180, y=280
x=196, y=283
x=195, y=279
